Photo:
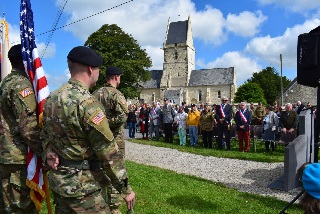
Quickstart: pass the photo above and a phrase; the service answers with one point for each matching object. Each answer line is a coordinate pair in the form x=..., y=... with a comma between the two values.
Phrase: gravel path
x=245, y=176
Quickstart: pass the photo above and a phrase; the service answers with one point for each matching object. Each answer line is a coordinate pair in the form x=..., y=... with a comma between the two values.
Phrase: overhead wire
x=52, y=30
x=55, y=23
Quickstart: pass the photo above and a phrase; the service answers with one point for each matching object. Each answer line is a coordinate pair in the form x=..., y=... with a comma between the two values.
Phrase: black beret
x=112, y=70
x=15, y=51
x=86, y=56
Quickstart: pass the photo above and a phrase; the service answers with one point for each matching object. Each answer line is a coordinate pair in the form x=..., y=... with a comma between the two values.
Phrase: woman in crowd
x=144, y=118
x=270, y=128
x=278, y=111
x=181, y=121
x=206, y=126
x=132, y=120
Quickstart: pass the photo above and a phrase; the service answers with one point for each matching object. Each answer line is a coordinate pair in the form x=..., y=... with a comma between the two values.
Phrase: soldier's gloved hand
x=130, y=199
x=52, y=160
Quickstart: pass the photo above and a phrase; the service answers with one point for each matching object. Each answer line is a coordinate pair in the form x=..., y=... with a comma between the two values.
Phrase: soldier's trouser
x=15, y=195
x=114, y=199
x=92, y=203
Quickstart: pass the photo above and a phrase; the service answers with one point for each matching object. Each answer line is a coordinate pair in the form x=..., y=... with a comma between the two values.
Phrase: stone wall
x=148, y=94
x=300, y=93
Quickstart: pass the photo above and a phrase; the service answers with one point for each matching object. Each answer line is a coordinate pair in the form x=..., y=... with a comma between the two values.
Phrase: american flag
x=35, y=72
x=97, y=119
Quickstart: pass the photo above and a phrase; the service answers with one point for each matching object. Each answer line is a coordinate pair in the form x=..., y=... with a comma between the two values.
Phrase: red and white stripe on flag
x=36, y=74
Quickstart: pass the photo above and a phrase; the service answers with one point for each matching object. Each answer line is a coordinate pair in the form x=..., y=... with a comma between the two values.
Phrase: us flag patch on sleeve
x=97, y=119
x=26, y=92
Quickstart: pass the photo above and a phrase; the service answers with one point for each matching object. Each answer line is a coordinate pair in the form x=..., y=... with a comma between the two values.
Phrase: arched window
x=153, y=98
x=200, y=96
x=219, y=94
x=176, y=55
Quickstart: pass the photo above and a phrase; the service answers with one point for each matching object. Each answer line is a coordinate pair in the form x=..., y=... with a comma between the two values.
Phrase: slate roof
x=177, y=32
x=214, y=76
x=155, y=80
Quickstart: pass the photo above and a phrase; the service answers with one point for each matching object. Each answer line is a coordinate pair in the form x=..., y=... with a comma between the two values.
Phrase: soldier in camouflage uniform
x=116, y=112
x=77, y=130
x=259, y=114
x=20, y=130
x=207, y=122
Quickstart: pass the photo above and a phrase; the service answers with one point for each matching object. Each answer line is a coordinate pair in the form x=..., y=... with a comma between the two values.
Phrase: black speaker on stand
x=308, y=72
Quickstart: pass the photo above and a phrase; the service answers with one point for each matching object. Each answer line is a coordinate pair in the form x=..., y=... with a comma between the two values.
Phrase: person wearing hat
x=116, y=110
x=309, y=174
x=20, y=130
x=78, y=144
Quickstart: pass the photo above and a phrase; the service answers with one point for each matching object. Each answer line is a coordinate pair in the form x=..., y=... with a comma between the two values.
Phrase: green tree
x=120, y=49
x=270, y=82
x=249, y=92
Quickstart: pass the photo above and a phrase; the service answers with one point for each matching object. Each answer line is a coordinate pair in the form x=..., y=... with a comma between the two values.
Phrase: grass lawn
x=164, y=191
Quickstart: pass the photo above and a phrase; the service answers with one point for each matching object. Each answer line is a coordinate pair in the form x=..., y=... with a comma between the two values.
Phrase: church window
x=176, y=55
x=219, y=94
x=200, y=96
x=153, y=98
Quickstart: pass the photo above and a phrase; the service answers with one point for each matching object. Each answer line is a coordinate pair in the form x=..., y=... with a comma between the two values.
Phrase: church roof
x=214, y=76
x=177, y=32
x=155, y=80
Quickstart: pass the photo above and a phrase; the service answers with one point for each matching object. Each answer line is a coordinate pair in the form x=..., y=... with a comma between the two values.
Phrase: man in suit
x=154, y=124
x=223, y=117
x=167, y=119
x=288, y=123
x=243, y=120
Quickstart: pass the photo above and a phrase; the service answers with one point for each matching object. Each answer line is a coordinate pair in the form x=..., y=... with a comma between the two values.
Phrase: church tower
x=179, y=57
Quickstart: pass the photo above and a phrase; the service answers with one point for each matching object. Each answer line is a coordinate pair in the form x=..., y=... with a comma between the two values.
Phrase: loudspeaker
x=308, y=58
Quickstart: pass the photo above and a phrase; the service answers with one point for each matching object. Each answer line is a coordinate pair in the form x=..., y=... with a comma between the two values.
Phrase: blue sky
x=247, y=34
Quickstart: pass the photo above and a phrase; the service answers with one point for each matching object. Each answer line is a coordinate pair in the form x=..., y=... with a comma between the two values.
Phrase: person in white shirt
x=181, y=121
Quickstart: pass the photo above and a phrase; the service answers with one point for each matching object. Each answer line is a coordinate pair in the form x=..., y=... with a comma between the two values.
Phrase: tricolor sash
x=244, y=119
x=154, y=112
x=221, y=111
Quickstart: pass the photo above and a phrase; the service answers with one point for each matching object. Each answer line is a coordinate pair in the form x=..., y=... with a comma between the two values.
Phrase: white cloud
x=269, y=48
x=50, y=50
x=155, y=52
x=55, y=80
x=14, y=39
x=208, y=26
x=244, y=65
x=246, y=24
x=148, y=19
x=293, y=5
x=14, y=34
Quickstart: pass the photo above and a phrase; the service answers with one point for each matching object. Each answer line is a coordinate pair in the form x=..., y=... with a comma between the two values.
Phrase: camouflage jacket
x=75, y=127
x=259, y=112
x=19, y=120
x=115, y=106
x=206, y=121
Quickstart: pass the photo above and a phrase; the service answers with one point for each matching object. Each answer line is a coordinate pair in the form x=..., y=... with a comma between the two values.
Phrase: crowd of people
x=208, y=122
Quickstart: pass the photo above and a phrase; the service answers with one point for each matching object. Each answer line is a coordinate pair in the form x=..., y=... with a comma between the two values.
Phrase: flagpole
x=46, y=188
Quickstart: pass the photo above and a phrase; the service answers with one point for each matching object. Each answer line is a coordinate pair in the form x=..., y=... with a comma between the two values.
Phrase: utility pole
x=281, y=102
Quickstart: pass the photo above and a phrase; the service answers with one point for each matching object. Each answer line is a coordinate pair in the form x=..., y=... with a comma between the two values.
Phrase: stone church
x=179, y=81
